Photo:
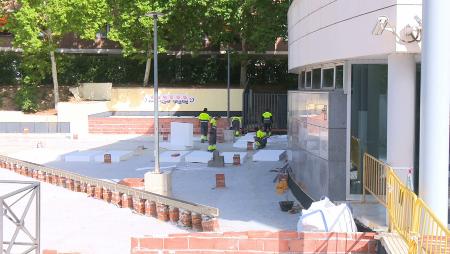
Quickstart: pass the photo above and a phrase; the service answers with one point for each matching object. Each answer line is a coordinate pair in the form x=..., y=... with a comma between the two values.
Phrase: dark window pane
x=316, y=78
x=308, y=79
x=339, y=76
x=302, y=80
x=328, y=77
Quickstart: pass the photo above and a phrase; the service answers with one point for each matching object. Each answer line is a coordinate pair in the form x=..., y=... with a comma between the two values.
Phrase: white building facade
x=369, y=51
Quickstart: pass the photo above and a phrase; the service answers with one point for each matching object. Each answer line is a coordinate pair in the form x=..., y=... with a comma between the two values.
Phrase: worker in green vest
x=204, y=120
x=267, y=121
x=236, y=124
x=212, y=138
x=260, y=138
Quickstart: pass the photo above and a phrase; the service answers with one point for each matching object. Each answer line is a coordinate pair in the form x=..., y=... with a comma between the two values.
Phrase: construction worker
x=204, y=120
x=260, y=138
x=236, y=123
x=212, y=138
x=267, y=121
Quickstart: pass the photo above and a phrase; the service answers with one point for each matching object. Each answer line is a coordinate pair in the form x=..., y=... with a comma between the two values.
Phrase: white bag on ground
x=324, y=216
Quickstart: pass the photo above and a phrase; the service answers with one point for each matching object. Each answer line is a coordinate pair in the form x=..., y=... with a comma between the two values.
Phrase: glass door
x=368, y=118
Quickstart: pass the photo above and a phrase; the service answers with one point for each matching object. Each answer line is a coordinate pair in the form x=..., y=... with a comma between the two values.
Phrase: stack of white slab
x=172, y=156
x=269, y=155
x=181, y=134
x=81, y=156
x=242, y=141
x=199, y=157
x=116, y=156
x=228, y=156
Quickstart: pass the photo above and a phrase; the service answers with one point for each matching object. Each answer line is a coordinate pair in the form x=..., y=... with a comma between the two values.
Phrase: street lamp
x=155, y=16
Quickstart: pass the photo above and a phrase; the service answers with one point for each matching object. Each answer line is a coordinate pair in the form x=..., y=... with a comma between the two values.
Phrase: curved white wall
x=331, y=30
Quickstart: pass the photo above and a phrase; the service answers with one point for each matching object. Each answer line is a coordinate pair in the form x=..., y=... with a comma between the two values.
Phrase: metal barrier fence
x=431, y=236
x=255, y=104
x=23, y=232
x=374, y=178
x=125, y=190
x=408, y=215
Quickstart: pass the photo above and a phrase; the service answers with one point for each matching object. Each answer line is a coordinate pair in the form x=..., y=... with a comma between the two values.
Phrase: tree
x=249, y=24
x=181, y=28
x=38, y=25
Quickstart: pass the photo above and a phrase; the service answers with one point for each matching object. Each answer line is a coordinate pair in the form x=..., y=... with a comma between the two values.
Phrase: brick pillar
x=163, y=212
x=55, y=179
x=62, y=182
x=98, y=192
x=116, y=198
x=35, y=174
x=90, y=190
x=174, y=214
x=48, y=178
x=150, y=208
x=186, y=219
x=41, y=176
x=210, y=225
x=77, y=186
x=107, y=195
x=69, y=184
x=23, y=170
x=197, y=222
x=30, y=172
x=127, y=201
x=139, y=205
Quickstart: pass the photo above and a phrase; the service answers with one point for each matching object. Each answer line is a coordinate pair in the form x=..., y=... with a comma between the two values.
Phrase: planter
x=286, y=205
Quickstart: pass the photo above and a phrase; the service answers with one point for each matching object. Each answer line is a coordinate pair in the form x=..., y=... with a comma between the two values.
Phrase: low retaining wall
x=144, y=125
x=253, y=242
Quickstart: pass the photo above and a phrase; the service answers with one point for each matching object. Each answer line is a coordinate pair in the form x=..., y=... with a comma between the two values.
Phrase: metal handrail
x=186, y=205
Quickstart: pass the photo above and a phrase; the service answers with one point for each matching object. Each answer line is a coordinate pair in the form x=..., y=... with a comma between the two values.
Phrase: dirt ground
x=45, y=98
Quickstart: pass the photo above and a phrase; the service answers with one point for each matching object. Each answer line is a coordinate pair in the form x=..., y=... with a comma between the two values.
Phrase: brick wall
x=253, y=242
x=139, y=125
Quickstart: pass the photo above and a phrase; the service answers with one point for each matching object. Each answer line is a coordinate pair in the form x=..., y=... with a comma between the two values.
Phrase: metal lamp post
x=155, y=16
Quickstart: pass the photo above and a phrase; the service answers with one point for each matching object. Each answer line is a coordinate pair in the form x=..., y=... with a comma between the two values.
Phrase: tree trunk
x=148, y=65
x=243, y=78
x=55, y=77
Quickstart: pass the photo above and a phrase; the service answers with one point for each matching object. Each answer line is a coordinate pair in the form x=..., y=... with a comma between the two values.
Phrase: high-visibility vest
x=260, y=134
x=267, y=115
x=213, y=122
x=204, y=117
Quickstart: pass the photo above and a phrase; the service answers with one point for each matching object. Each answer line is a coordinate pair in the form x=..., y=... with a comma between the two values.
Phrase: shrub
x=26, y=97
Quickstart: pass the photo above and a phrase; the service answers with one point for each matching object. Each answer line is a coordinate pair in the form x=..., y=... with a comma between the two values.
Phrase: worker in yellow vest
x=267, y=121
x=236, y=123
x=260, y=138
x=212, y=138
x=204, y=120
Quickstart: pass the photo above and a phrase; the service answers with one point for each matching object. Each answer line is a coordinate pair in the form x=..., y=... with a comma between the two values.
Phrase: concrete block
x=199, y=157
x=181, y=134
x=228, y=156
x=116, y=155
x=82, y=156
x=172, y=156
x=158, y=183
x=228, y=135
x=269, y=155
x=217, y=160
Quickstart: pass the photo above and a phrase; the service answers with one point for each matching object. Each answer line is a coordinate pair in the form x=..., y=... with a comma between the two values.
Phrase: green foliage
x=26, y=97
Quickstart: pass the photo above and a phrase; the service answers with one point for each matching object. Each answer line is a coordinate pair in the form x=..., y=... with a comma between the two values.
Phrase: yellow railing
x=408, y=215
x=374, y=178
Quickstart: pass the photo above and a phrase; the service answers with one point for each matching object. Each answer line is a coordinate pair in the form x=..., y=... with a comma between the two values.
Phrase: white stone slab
x=116, y=155
x=38, y=155
x=81, y=156
x=228, y=156
x=169, y=146
x=170, y=156
x=199, y=157
x=242, y=141
x=269, y=155
x=181, y=134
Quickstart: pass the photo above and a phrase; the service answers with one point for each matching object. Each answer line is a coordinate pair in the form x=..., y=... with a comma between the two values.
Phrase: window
x=328, y=78
x=302, y=78
x=308, y=79
x=316, y=76
x=339, y=77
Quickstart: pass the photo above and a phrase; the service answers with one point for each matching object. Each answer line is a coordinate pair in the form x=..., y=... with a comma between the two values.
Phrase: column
x=434, y=109
x=401, y=113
